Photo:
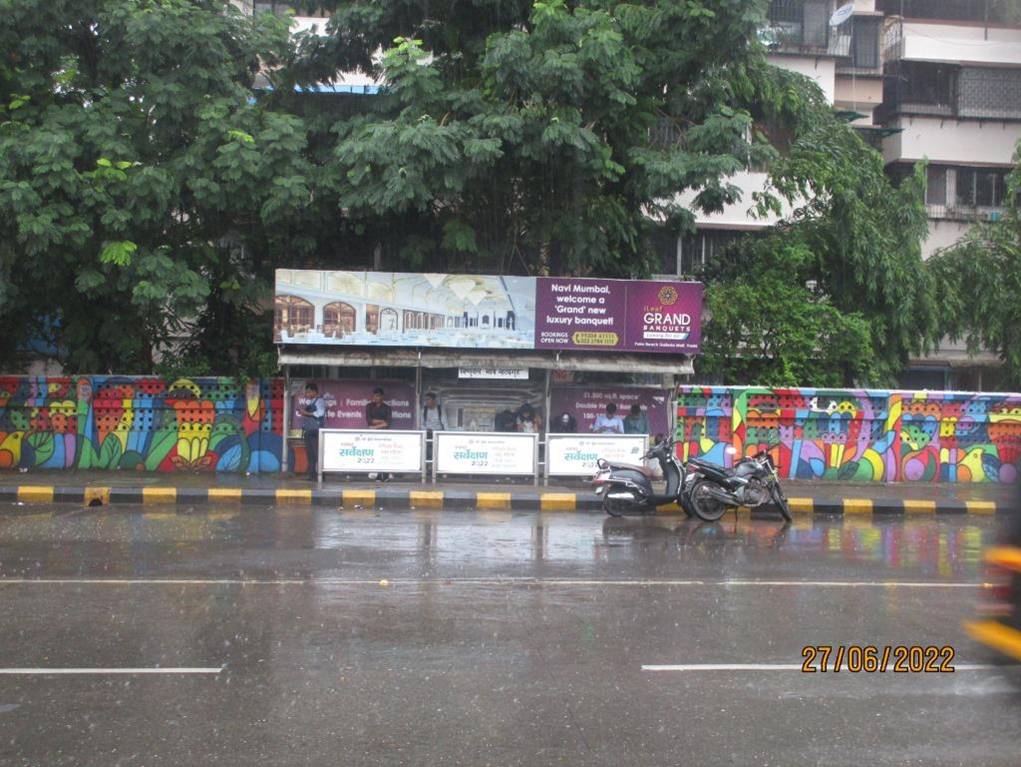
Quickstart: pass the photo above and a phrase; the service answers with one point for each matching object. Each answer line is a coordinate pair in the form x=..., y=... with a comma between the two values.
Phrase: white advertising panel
x=466, y=452
x=575, y=455
x=367, y=450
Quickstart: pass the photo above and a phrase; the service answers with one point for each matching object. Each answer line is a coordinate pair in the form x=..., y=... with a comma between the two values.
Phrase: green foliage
x=539, y=138
x=131, y=148
x=853, y=237
x=979, y=283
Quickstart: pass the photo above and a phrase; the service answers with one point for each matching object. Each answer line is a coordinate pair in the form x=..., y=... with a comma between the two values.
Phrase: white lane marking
x=153, y=670
x=786, y=667
x=475, y=581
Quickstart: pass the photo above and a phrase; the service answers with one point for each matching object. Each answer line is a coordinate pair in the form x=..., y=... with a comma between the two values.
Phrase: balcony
x=1003, y=12
x=803, y=27
x=944, y=90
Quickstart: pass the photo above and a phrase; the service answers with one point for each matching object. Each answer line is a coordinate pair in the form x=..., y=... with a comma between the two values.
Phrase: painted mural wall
x=856, y=435
x=138, y=423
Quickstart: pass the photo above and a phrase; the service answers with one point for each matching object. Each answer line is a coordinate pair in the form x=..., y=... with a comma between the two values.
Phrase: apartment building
x=936, y=80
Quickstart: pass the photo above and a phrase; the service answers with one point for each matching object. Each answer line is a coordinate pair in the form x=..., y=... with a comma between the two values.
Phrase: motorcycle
x=627, y=488
x=752, y=482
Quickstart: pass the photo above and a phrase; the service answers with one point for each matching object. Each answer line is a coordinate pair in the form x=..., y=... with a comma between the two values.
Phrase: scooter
x=752, y=482
x=627, y=488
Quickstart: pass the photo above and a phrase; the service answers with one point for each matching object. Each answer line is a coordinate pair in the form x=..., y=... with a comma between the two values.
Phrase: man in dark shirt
x=378, y=415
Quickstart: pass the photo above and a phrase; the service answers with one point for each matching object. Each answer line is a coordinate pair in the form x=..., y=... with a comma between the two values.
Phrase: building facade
x=934, y=80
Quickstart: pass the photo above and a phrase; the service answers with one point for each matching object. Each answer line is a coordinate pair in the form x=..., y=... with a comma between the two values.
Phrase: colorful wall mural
x=856, y=435
x=143, y=424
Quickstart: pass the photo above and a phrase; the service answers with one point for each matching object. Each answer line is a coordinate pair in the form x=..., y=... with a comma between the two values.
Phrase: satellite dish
x=842, y=14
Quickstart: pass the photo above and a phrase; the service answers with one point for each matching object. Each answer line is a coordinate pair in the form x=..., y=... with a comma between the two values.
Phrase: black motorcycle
x=752, y=482
x=627, y=488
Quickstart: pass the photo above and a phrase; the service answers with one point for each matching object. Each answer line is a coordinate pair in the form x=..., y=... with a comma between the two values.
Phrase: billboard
x=486, y=312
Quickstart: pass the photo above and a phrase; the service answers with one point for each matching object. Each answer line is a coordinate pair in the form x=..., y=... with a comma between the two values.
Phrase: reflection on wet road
x=436, y=637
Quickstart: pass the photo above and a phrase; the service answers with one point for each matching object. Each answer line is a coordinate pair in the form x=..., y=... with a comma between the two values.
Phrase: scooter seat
x=633, y=467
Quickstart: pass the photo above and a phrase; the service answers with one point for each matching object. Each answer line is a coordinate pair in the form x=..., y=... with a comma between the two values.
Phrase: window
x=981, y=188
x=703, y=247
x=298, y=7
x=801, y=22
x=865, y=41
x=935, y=185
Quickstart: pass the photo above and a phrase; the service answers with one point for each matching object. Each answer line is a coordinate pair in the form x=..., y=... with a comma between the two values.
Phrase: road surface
x=298, y=636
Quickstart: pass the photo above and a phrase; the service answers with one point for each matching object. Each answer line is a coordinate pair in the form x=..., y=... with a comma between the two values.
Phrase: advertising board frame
x=532, y=437
x=375, y=432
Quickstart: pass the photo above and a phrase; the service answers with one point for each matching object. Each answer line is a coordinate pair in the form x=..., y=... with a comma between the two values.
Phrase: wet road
x=315, y=637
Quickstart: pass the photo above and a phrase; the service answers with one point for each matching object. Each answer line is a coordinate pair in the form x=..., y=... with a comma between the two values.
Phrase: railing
x=975, y=11
x=970, y=213
x=941, y=91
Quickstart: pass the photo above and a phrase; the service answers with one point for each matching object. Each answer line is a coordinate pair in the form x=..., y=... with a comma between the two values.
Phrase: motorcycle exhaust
x=723, y=496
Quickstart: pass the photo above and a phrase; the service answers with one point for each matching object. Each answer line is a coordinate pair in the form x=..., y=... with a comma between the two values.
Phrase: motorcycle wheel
x=780, y=501
x=703, y=504
x=618, y=508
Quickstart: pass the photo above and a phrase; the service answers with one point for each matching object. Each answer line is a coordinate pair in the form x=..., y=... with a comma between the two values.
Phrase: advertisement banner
x=346, y=401
x=584, y=403
x=571, y=455
x=372, y=451
x=461, y=452
x=486, y=312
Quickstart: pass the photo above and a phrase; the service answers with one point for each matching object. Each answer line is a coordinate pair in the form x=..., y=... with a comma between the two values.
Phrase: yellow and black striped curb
x=426, y=498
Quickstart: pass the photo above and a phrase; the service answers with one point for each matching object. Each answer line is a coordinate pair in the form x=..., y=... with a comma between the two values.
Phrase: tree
x=143, y=188
x=539, y=138
x=979, y=284
x=836, y=294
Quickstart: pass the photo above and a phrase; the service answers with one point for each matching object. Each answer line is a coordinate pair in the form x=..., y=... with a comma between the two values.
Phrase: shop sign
x=470, y=311
x=506, y=374
x=466, y=452
x=362, y=451
x=575, y=455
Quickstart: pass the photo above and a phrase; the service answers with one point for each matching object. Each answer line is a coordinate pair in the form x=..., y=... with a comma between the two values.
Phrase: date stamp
x=871, y=659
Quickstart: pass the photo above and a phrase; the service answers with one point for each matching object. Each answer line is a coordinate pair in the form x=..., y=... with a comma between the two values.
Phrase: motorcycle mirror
x=602, y=463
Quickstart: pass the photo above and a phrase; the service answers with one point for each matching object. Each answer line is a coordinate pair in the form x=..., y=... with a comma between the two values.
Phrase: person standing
x=637, y=422
x=528, y=420
x=565, y=423
x=432, y=421
x=432, y=415
x=608, y=423
x=378, y=415
x=313, y=414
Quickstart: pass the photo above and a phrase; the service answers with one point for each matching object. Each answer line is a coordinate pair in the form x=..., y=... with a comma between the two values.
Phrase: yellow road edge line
x=35, y=493
x=997, y=635
x=427, y=499
x=981, y=507
x=803, y=505
x=857, y=506
x=493, y=500
x=919, y=507
x=225, y=494
x=1004, y=556
x=359, y=497
x=101, y=494
x=558, y=501
x=669, y=508
x=292, y=495
x=159, y=494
